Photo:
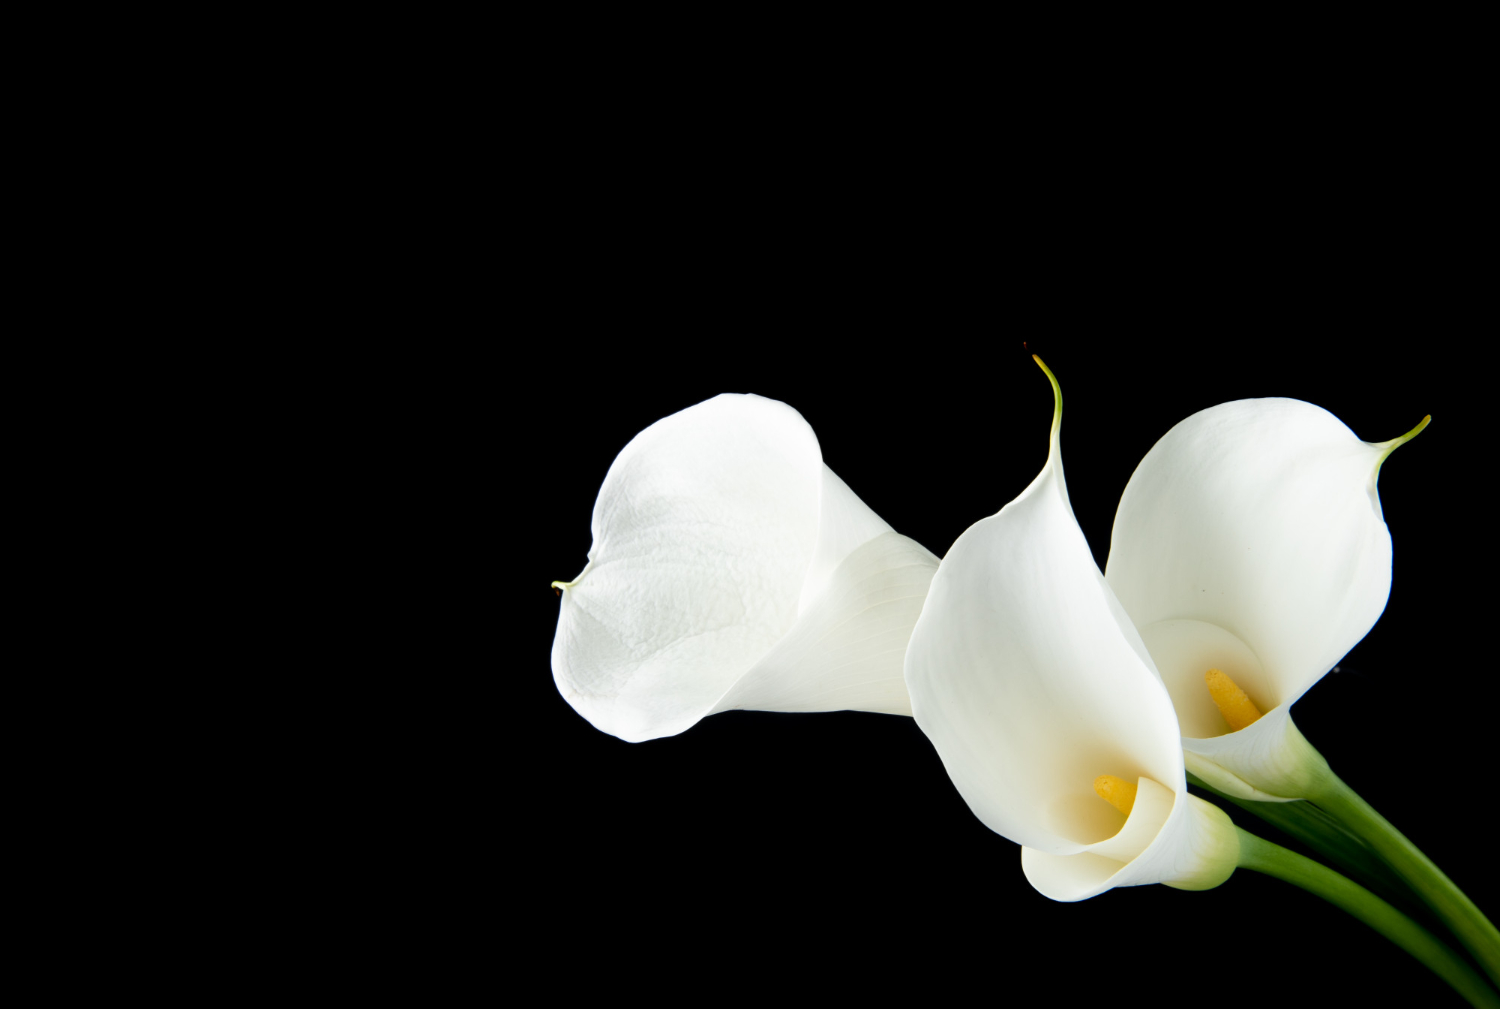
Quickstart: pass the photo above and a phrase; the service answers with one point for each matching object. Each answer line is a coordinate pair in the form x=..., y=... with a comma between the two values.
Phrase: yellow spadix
x=1234, y=704
x=1116, y=791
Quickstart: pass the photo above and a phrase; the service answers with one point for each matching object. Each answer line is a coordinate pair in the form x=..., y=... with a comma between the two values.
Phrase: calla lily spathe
x=1030, y=681
x=1251, y=540
x=731, y=568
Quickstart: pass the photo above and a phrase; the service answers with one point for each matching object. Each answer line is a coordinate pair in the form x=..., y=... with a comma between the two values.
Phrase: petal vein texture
x=731, y=568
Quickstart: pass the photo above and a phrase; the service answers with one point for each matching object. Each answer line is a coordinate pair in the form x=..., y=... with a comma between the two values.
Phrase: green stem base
x=1334, y=845
x=1458, y=912
x=1273, y=860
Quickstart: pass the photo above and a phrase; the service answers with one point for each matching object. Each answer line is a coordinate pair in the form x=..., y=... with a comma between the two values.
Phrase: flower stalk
x=1458, y=912
x=1342, y=850
x=1261, y=855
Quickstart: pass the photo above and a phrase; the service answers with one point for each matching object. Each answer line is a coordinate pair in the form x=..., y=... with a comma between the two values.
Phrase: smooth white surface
x=1251, y=539
x=1259, y=517
x=1030, y=680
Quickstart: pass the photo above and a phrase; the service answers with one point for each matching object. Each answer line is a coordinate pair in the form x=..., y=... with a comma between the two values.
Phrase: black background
x=760, y=850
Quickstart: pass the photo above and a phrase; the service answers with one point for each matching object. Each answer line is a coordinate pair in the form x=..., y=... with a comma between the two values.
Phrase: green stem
x=1274, y=860
x=1307, y=824
x=1458, y=912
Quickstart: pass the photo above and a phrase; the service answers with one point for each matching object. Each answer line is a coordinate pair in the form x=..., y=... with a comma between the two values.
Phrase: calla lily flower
x=1033, y=685
x=731, y=568
x=1250, y=541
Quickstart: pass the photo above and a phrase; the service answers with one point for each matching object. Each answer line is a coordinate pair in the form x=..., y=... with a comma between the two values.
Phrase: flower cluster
x=732, y=569
x=1249, y=543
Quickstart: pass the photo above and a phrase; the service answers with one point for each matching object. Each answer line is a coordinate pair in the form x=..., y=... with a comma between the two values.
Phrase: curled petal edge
x=1267, y=761
x=1196, y=848
x=847, y=649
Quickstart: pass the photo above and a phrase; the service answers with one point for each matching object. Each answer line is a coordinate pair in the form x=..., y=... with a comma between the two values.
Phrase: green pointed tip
x=562, y=585
x=1408, y=436
x=1386, y=448
x=1056, y=395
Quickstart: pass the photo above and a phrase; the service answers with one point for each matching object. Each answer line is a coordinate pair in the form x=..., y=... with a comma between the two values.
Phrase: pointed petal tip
x=1056, y=395
x=1387, y=447
x=1395, y=443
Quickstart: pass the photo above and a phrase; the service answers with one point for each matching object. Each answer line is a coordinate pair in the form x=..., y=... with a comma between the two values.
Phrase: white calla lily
x=731, y=568
x=1250, y=540
x=1031, y=682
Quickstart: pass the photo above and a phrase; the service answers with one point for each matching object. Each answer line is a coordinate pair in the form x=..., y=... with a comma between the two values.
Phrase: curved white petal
x=703, y=531
x=725, y=551
x=847, y=649
x=1030, y=682
x=1258, y=521
x=845, y=524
